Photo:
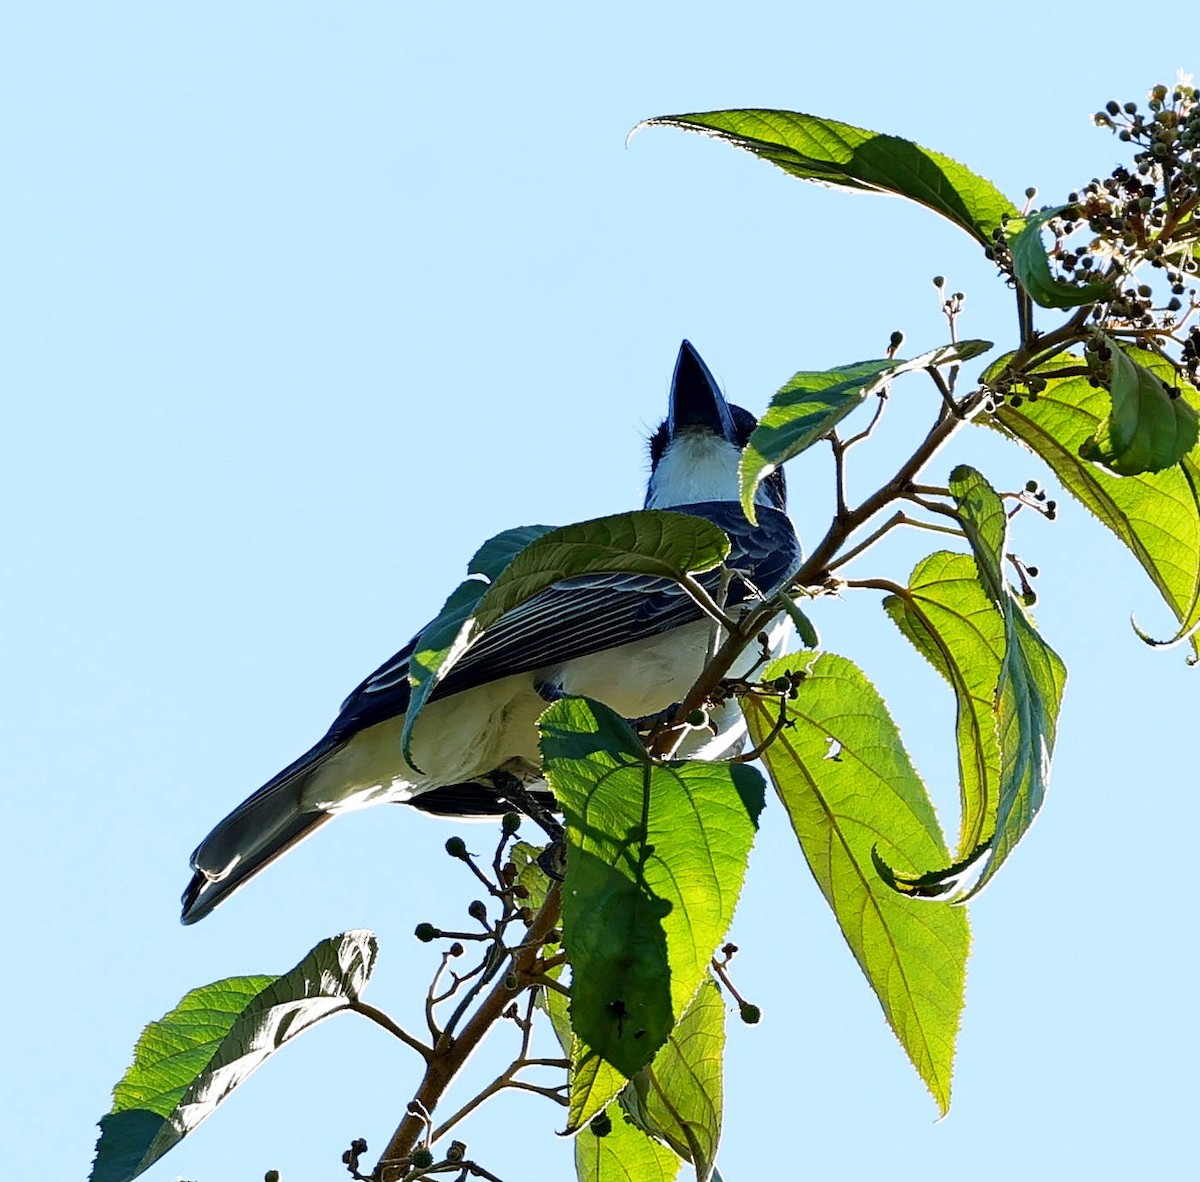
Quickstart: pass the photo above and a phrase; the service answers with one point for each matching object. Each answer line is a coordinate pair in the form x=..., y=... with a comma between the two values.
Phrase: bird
x=633, y=642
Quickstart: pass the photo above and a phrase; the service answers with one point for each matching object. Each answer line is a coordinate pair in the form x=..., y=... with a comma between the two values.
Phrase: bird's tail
x=256, y=833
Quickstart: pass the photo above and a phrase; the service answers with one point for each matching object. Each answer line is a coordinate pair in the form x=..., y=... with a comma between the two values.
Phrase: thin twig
x=449, y=1055
x=866, y=432
x=391, y=1026
x=757, y=752
x=706, y=603
x=950, y=405
x=839, y=472
x=899, y=518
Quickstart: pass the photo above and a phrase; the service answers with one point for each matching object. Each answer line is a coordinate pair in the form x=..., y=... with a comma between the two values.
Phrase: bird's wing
x=572, y=619
x=585, y=615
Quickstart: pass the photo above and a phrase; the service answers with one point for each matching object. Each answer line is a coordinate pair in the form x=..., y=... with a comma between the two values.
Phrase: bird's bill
x=696, y=402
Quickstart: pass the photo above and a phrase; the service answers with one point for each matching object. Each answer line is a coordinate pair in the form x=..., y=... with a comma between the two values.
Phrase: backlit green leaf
x=1032, y=265
x=1027, y=696
x=656, y=854
x=848, y=786
x=810, y=405
x=1151, y=426
x=185, y=1064
x=1156, y=515
x=677, y=1099
x=1031, y=681
x=593, y=1083
x=626, y=1154
x=440, y=644
x=837, y=154
x=958, y=629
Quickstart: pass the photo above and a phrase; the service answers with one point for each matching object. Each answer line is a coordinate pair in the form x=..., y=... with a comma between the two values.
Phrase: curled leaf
x=1031, y=265
x=1150, y=427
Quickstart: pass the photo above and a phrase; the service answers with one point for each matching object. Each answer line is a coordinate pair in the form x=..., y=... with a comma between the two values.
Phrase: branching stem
x=450, y=1054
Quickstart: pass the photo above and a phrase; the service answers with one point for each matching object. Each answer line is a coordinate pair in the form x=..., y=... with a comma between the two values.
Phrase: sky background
x=298, y=304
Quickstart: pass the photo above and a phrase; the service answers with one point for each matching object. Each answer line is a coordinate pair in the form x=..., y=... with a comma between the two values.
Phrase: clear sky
x=298, y=303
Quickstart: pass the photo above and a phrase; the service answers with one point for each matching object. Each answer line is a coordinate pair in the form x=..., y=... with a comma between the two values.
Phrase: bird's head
x=695, y=452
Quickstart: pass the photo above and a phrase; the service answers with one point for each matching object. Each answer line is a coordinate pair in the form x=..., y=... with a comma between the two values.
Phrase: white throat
x=696, y=466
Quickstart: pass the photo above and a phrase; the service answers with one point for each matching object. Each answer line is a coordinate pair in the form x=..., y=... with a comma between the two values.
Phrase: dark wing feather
x=586, y=615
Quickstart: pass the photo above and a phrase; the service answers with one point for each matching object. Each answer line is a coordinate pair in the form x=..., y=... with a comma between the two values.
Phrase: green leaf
x=650, y=542
x=1031, y=265
x=441, y=643
x=185, y=1064
x=957, y=628
x=810, y=405
x=806, y=630
x=677, y=1099
x=496, y=553
x=653, y=542
x=1028, y=695
x=1151, y=426
x=1155, y=515
x=626, y=1154
x=846, y=157
x=593, y=1083
x=656, y=854
x=848, y=786
x=985, y=523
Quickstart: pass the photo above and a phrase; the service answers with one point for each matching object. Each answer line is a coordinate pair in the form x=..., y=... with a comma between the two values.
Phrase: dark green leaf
x=1032, y=265
x=823, y=150
x=1150, y=428
x=1156, y=515
x=805, y=629
x=656, y=854
x=958, y=629
x=677, y=1099
x=496, y=553
x=810, y=405
x=651, y=542
x=848, y=785
x=187, y=1063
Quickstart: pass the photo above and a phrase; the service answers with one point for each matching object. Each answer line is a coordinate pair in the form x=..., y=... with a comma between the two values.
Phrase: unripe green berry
x=750, y=1013
x=271, y=1176
x=421, y=1158
x=425, y=932
x=456, y=847
x=510, y=823
x=601, y=1124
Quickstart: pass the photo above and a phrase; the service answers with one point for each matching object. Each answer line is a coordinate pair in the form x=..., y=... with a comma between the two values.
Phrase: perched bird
x=635, y=643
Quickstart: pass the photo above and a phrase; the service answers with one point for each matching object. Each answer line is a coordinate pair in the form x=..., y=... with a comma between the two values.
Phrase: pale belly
x=462, y=737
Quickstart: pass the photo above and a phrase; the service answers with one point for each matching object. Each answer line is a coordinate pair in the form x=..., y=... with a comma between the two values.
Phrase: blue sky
x=299, y=303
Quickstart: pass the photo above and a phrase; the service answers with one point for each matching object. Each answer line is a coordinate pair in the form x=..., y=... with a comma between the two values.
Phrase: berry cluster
x=1143, y=213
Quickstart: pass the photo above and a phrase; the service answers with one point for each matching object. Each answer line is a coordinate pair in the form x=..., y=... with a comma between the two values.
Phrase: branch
x=392, y=1027
x=815, y=570
x=450, y=1054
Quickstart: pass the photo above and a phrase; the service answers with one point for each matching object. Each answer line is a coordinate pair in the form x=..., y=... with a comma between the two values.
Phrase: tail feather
x=257, y=832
